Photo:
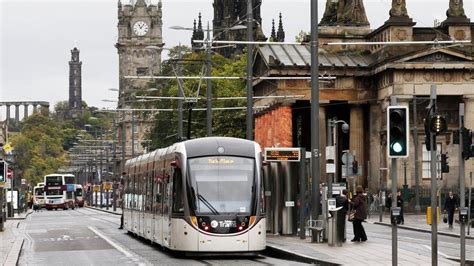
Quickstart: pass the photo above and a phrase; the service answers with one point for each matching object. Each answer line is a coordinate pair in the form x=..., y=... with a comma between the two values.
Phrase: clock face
x=140, y=28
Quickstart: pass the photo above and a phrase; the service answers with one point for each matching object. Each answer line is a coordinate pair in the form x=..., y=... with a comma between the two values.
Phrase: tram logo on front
x=214, y=224
x=227, y=224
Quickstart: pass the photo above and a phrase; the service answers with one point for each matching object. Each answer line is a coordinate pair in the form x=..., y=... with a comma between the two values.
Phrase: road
x=89, y=237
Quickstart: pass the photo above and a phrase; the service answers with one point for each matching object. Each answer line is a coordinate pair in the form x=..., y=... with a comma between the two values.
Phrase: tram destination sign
x=282, y=154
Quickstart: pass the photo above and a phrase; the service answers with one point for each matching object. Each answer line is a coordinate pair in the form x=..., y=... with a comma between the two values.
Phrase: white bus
x=38, y=196
x=59, y=191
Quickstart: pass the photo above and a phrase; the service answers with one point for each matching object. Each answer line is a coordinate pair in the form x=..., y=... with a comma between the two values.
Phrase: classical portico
x=43, y=107
x=362, y=81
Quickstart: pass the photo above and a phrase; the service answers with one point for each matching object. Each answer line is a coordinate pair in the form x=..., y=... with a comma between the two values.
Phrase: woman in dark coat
x=359, y=204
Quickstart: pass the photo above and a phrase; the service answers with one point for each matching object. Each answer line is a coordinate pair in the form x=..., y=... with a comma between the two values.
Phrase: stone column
x=35, y=108
x=8, y=111
x=356, y=139
x=376, y=155
x=469, y=123
x=25, y=114
x=17, y=113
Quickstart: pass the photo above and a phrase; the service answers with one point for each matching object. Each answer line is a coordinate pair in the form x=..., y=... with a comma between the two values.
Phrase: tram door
x=167, y=209
x=158, y=199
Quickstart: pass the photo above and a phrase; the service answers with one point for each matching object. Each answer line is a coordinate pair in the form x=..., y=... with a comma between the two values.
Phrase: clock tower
x=139, y=46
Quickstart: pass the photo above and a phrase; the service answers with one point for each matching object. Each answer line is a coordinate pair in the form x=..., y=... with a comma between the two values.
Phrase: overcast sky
x=36, y=37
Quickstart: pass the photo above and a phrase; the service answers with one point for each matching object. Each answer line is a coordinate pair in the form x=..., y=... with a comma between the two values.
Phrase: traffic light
x=438, y=124
x=428, y=135
x=467, y=148
x=397, y=131
x=355, y=167
x=3, y=171
x=444, y=163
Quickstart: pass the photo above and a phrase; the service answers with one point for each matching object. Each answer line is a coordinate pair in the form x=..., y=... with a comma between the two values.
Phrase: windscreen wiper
x=208, y=204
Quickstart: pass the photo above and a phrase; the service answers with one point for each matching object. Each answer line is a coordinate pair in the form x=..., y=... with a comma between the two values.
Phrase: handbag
x=351, y=216
x=445, y=217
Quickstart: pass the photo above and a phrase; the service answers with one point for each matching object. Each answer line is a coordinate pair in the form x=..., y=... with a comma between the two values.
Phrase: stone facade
x=363, y=80
x=229, y=13
x=139, y=46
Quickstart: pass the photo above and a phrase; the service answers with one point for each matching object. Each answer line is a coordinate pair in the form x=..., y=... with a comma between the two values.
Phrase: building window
x=427, y=162
x=142, y=71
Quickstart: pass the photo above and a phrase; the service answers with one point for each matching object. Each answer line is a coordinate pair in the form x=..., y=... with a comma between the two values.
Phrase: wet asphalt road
x=89, y=237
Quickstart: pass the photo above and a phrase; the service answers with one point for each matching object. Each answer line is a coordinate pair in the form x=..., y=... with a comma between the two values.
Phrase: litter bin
x=334, y=232
x=10, y=209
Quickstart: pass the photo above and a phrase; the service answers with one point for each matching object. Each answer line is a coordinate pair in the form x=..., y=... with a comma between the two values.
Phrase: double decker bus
x=59, y=191
x=38, y=196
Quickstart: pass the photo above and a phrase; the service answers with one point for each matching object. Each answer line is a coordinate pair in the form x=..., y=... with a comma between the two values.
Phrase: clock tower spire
x=139, y=47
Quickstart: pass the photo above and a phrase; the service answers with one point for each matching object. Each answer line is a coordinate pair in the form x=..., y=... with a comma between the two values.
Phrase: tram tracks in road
x=95, y=215
x=258, y=260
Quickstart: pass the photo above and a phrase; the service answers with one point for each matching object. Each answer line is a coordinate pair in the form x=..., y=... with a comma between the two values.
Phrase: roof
x=300, y=56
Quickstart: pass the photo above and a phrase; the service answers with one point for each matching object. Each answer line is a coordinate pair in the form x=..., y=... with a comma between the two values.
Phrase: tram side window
x=178, y=196
x=149, y=191
x=158, y=195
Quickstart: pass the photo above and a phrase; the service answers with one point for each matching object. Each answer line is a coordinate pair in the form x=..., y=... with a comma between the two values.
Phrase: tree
x=225, y=123
x=39, y=147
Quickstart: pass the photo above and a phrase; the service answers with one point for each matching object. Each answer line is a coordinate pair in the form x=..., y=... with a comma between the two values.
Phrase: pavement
x=365, y=253
x=11, y=239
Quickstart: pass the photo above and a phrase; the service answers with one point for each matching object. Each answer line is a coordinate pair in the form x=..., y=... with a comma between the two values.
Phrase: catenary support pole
x=394, y=178
x=249, y=71
x=315, y=154
x=415, y=143
x=209, y=84
x=434, y=219
x=462, y=184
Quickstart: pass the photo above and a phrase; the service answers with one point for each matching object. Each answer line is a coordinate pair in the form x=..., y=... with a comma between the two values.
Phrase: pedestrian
x=341, y=201
x=359, y=204
x=400, y=204
x=450, y=205
x=388, y=202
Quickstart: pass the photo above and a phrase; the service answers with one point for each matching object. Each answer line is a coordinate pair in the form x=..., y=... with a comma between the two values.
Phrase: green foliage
x=225, y=122
x=39, y=147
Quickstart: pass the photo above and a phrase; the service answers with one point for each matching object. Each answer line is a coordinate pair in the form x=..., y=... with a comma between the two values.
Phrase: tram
x=201, y=196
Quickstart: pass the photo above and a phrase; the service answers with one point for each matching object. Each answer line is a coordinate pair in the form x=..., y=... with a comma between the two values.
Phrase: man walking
x=450, y=206
x=341, y=201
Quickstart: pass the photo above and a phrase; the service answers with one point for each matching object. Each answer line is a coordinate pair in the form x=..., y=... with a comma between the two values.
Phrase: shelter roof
x=294, y=55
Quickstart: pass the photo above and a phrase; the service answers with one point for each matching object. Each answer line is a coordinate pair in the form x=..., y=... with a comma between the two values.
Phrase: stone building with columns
x=359, y=82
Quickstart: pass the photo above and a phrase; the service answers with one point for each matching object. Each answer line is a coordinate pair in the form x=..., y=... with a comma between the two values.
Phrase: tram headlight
x=194, y=220
x=252, y=220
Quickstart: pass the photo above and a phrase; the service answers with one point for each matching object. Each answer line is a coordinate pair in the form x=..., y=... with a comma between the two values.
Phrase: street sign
x=282, y=154
x=96, y=188
x=107, y=185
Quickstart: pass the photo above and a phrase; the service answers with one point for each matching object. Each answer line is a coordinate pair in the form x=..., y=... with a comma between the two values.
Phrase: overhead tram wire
x=322, y=77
